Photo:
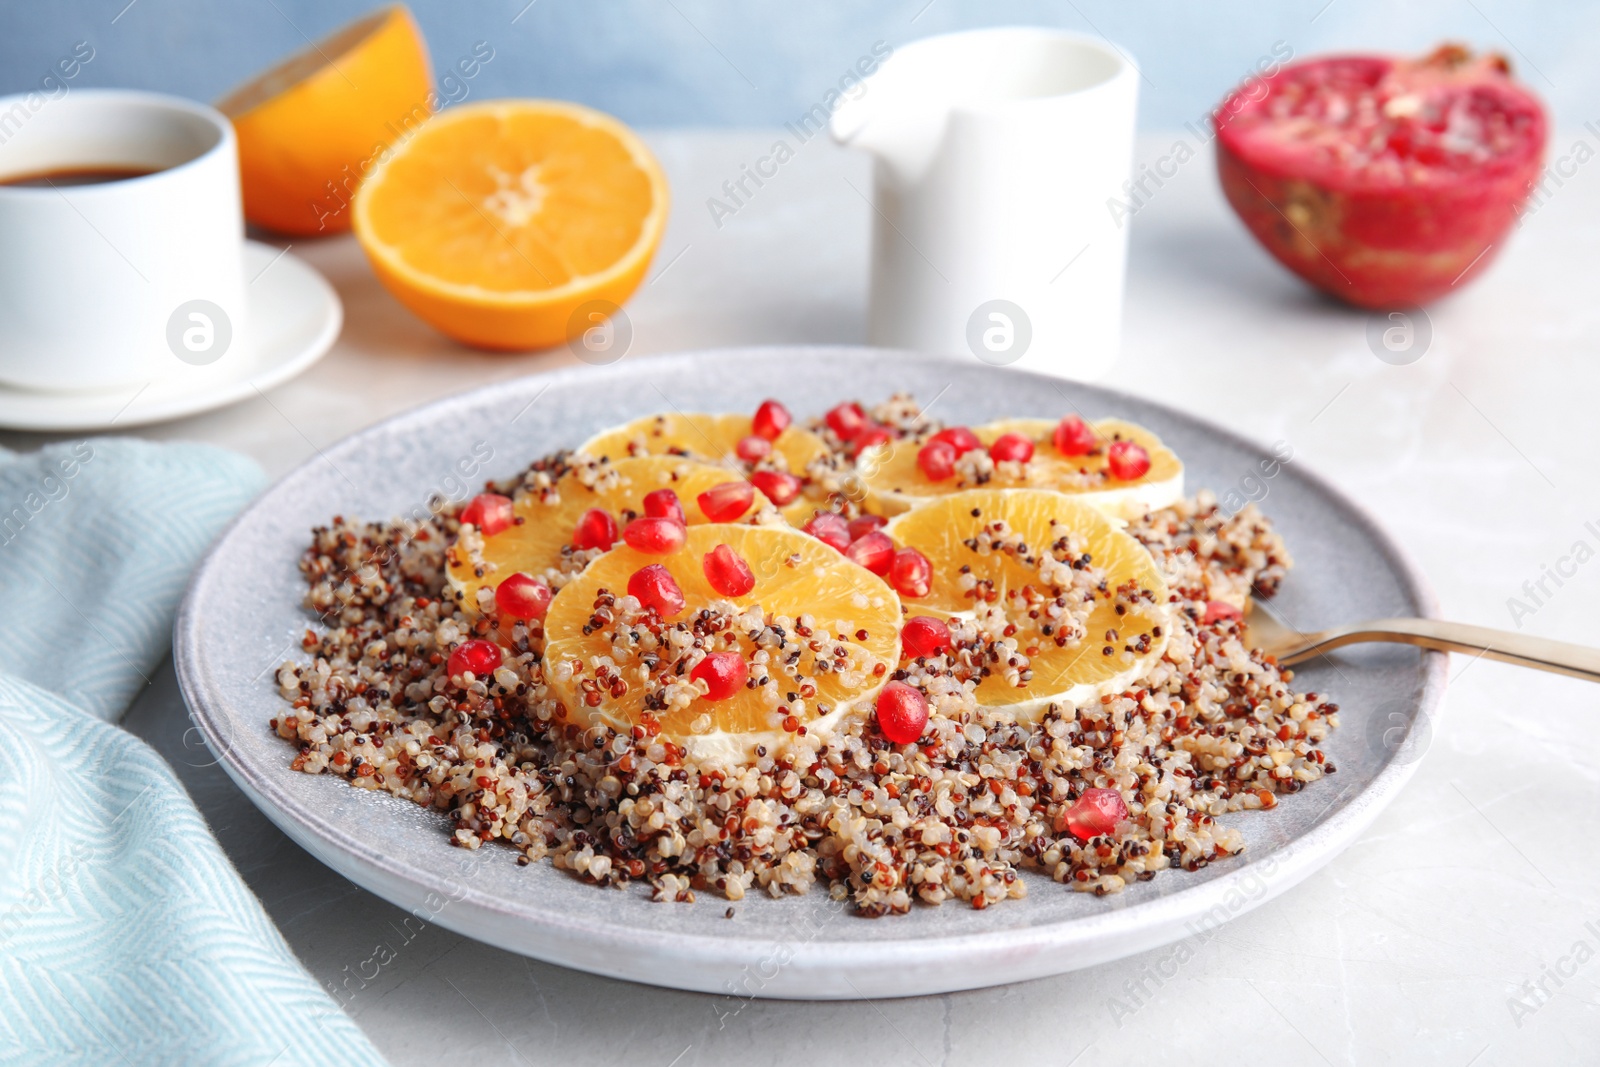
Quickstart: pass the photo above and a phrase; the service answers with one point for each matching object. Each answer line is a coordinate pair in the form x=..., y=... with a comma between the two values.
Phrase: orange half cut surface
x=498, y=222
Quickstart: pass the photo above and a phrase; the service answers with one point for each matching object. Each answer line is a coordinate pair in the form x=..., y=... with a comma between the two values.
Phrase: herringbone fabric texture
x=126, y=935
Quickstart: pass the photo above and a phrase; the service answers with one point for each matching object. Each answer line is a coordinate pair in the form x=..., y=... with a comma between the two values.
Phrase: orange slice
x=497, y=222
x=312, y=126
x=895, y=483
x=1019, y=546
x=810, y=592
x=541, y=544
x=714, y=438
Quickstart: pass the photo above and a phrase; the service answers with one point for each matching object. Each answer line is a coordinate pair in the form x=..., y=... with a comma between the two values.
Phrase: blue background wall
x=761, y=62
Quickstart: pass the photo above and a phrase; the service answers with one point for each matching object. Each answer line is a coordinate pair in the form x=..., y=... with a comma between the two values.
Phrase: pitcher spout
x=902, y=133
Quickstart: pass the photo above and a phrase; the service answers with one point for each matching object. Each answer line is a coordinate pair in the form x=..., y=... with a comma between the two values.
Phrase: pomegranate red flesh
x=937, y=460
x=1127, y=461
x=1385, y=182
x=830, y=528
x=655, y=536
x=723, y=672
x=846, y=420
x=902, y=713
x=779, y=487
x=596, y=529
x=727, y=501
x=523, y=596
x=770, y=420
x=1073, y=437
x=478, y=656
x=655, y=587
x=923, y=635
x=490, y=513
x=753, y=448
x=663, y=504
x=1014, y=447
x=864, y=524
x=911, y=573
x=727, y=572
x=1096, y=812
x=873, y=551
x=959, y=438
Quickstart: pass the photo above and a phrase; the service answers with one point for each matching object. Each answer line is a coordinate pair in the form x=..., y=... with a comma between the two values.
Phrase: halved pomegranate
x=1383, y=181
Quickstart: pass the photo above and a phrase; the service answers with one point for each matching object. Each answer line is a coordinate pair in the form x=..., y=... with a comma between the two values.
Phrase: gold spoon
x=1268, y=633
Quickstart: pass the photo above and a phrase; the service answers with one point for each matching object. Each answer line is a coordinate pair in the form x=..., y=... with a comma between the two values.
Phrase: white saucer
x=296, y=316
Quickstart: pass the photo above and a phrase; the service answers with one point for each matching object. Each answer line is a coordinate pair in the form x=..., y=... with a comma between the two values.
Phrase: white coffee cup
x=124, y=282
x=997, y=153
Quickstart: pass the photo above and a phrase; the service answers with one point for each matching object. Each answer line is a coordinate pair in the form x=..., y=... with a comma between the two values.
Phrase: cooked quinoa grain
x=1213, y=728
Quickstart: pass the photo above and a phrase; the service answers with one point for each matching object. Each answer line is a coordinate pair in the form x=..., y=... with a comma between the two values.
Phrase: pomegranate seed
x=1127, y=460
x=489, y=512
x=862, y=525
x=1011, y=446
x=1217, y=610
x=723, y=672
x=937, y=460
x=664, y=504
x=753, y=449
x=873, y=551
x=872, y=435
x=479, y=657
x=727, y=573
x=830, y=528
x=770, y=420
x=846, y=420
x=596, y=529
x=1073, y=437
x=902, y=713
x=656, y=588
x=726, y=502
x=777, y=486
x=1096, y=812
x=522, y=596
x=959, y=438
x=655, y=536
x=911, y=574
x=923, y=635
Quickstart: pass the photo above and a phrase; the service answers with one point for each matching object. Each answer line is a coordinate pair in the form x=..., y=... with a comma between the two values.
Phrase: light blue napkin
x=126, y=935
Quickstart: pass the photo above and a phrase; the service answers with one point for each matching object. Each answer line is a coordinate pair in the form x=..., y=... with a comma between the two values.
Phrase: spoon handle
x=1524, y=650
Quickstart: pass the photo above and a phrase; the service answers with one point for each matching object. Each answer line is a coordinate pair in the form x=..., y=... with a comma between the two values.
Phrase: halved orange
x=854, y=624
x=311, y=127
x=536, y=545
x=895, y=483
x=714, y=438
x=496, y=222
x=1005, y=570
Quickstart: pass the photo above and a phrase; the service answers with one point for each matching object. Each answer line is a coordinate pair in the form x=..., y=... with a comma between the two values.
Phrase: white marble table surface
x=1463, y=928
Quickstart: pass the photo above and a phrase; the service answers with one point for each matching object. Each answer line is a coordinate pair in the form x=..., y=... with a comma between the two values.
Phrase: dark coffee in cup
x=75, y=176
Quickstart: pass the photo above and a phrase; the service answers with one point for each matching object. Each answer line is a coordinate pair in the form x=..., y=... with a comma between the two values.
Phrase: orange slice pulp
x=818, y=633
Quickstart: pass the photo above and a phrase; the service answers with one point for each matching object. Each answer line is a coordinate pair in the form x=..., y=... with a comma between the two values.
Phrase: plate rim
x=1300, y=856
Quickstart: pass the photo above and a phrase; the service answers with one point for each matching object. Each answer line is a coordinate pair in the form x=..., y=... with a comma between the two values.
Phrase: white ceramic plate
x=295, y=316
x=242, y=616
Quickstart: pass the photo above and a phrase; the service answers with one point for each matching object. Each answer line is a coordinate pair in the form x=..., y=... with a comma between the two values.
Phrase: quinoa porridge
x=822, y=682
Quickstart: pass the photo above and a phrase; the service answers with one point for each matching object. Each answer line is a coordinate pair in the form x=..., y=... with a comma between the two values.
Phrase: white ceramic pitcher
x=999, y=153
